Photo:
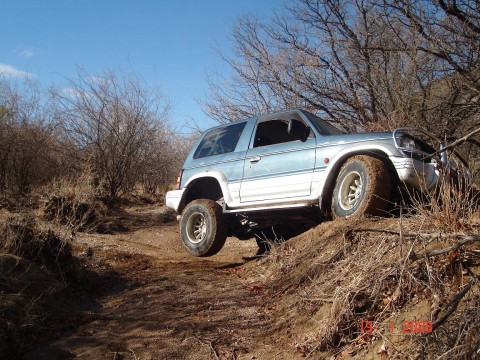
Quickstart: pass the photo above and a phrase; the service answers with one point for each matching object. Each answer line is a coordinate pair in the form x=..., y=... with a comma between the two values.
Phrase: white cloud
x=25, y=53
x=70, y=92
x=8, y=70
x=96, y=79
x=74, y=93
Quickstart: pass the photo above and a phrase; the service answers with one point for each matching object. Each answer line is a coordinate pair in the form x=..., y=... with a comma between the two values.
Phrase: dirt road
x=147, y=298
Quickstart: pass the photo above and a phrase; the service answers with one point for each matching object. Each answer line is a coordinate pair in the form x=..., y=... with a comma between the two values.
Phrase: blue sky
x=171, y=44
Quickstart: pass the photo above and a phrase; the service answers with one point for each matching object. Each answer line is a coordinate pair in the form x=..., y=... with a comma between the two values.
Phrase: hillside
x=345, y=289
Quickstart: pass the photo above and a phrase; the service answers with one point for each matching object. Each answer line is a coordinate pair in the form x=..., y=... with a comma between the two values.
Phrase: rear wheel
x=203, y=227
x=363, y=186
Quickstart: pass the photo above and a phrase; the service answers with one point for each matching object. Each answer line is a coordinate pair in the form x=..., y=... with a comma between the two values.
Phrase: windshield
x=322, y=126
x=219, y=140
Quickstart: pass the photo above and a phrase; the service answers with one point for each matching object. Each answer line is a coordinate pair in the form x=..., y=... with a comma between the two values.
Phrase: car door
x=277, y=165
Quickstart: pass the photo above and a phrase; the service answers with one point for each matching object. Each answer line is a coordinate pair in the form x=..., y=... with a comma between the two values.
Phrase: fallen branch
x=214, y=352
x=390, y=232
x=466, y=240
x=455, y=143
x=405, y=235
x=413, y=256
x=454, y=303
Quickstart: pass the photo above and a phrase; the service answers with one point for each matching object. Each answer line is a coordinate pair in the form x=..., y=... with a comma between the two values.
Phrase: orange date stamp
x=408, y=327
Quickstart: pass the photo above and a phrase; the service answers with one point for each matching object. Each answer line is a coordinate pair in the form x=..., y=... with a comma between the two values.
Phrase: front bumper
x=173, y=199
x=420, y=175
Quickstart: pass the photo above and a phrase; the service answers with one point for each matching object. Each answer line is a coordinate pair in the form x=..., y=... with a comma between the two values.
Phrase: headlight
x=406, y=143
x=417, y=146
x=413, y=146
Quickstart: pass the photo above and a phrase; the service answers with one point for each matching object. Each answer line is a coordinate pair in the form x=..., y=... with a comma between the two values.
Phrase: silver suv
x=283, y=172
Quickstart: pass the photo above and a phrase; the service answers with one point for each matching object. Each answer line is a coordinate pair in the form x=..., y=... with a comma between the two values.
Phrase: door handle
x=254, y=159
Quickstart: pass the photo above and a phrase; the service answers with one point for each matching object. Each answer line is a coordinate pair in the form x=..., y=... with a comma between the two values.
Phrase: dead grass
x=450, y=208
x=330, y=279
x=24, y=288
x=35, y=264
x=22, y=236
x=73, y=202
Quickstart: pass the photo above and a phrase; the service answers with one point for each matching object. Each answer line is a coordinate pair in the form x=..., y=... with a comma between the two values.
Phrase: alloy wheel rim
x=196, y=228
x=351, y=191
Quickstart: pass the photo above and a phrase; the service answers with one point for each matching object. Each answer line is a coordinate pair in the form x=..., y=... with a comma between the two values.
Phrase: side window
x=219, y=141
x=272, y=132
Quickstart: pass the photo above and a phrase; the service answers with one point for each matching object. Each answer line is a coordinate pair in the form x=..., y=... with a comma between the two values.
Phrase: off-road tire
x=203, y=228
x=363, y=187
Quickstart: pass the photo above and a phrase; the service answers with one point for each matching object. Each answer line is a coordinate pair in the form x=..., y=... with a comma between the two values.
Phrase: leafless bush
x=28, y=155
x=451, y=207
x=23, y=237
x=163, y=159
x=74, y=201
x=357, y=62
x=114, y=122
x=36, y=264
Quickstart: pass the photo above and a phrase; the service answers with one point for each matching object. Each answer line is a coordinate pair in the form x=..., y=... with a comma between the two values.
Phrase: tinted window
x=273, y=132
x=220, y=140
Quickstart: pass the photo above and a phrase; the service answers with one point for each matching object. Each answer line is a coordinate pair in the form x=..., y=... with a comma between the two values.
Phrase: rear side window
x=219, y=141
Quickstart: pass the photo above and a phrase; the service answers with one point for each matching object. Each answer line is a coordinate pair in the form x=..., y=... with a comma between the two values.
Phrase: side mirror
x=298, y=129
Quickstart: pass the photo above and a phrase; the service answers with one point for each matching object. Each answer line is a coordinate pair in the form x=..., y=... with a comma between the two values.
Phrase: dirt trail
x=150, y=300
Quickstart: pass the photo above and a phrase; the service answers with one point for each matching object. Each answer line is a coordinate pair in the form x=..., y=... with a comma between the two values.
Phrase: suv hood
x=350, y=138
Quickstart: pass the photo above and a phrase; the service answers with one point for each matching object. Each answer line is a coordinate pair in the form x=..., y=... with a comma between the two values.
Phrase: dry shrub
x=23, y=289
x=35, y=265
x=23, y=237
x=451, y=207
x=74, y=202
x=347, y=271
x=69, y=211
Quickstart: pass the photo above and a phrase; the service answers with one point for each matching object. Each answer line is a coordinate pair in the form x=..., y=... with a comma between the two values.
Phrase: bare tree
x=448, y=33
x=27, y=146
x=114, y=121
x=163, y=159
x=356, y=63
x=327, y=56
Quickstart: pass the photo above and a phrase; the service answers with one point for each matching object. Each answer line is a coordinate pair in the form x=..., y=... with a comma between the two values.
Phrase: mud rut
x=146, y=298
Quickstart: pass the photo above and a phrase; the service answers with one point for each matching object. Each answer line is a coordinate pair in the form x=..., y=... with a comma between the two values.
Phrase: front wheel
x=363, y=186
x=203, y=228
